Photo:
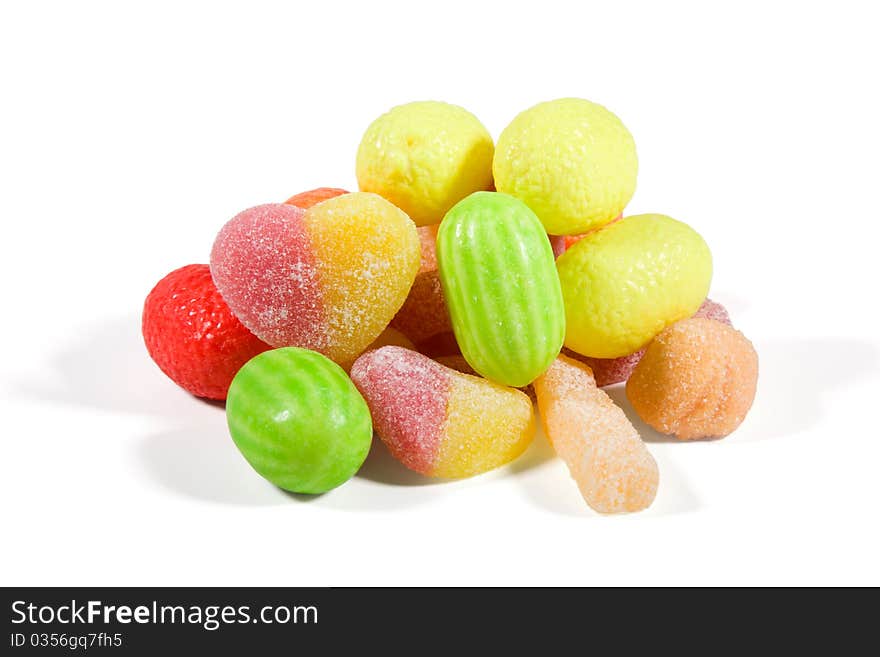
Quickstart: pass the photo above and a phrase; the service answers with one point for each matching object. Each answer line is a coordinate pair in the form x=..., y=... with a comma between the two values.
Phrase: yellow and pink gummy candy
x=329, y=278
x=437, y=421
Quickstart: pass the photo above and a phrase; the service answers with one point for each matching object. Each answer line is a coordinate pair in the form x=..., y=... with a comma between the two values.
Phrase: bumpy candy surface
x=298, y=420
x=697, y=379
x=624, y=284
x=440, y=422
x=609, y=371
x=424, y=314
x=501, y=287
x=603, y=451
x=192, y=334
x=425, y=157
x=307, y=199
x=329, y=278
x=572, y=161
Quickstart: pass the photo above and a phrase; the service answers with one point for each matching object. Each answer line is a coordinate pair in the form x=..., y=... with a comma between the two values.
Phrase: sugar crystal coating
x=440, y=422
x=407, y=395
x=603, y=451
x=367, y=252
x=307, y=199
x=714, y=310
x=697, y=379
x=329, y=278
x=458, y=363
x=608, y=371
x=265, y=268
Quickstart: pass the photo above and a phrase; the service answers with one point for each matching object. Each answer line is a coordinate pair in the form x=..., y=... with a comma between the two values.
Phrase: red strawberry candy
x=192, y=334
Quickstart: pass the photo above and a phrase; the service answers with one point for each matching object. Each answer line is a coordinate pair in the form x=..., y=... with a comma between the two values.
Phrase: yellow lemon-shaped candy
x=425, y=157
x=573, y=162
x=624, y=284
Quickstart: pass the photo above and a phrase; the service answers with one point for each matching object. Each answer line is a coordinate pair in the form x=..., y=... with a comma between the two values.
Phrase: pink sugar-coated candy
x=609, y=371
x=263, y=264
x=714, y=310
x=437, y=421
x=307, y=199
x=458, y=363
x=329, y=278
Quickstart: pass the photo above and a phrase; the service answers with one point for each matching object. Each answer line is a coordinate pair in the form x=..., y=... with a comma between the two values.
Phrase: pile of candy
x=435, y=311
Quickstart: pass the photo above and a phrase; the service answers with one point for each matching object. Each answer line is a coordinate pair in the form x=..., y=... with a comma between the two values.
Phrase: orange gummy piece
x=697, y=379
x=604, y=453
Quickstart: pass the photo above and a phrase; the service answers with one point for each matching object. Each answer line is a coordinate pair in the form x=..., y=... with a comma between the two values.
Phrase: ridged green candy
x=500, y=283
x=298, y=420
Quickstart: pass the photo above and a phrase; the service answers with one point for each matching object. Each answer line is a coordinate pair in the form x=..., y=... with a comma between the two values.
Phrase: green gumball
x=298, y=420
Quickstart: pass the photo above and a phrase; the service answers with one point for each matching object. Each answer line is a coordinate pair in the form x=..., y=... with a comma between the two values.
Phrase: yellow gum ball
x=425, y=157
x=571, y=161
x=624, y=284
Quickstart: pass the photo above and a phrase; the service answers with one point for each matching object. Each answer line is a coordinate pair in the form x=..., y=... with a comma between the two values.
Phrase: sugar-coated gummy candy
x=604, y=453
x=714, y=310
x=501, y=287
x=572, y=161
x=307, y=199
x=624, y=284
x=425, y=157
x=424, y=314
x=458, y=363
x=697, y=379
x=437, y=421
x=298, y=420
x=609, y=371
x=329, y=278
x=192, y=335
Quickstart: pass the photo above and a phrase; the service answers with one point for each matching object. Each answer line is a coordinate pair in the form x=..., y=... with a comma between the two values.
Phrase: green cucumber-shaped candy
x=298, y=420
x=500, y=283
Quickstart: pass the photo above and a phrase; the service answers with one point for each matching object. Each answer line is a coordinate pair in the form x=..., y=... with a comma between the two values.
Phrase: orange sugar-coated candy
x=424, y=314
x=604, y=453
x=697, y=379
x=609, y=371
x=305, y=200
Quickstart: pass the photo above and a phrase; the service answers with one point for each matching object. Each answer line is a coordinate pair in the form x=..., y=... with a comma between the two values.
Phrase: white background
x=129, y=136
